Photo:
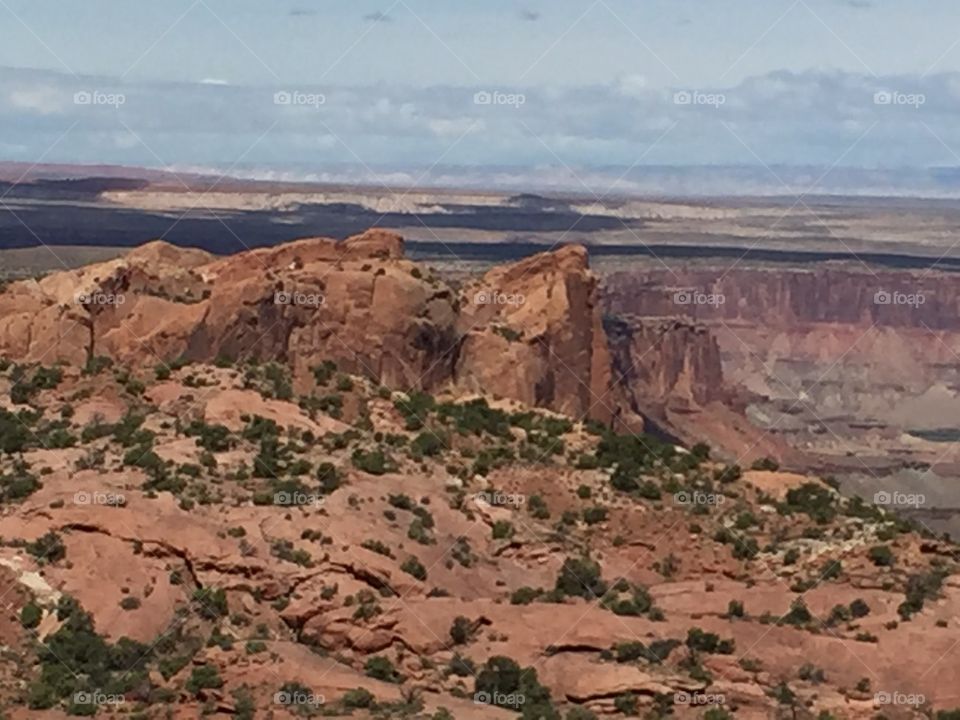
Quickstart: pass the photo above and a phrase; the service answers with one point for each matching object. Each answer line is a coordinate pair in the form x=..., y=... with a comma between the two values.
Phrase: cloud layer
x=812, y=119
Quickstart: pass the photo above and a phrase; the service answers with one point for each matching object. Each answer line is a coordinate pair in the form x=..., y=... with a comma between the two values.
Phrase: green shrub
x=412, y=566
x=373, y=462
x=881, y=556
x=461, y=630
x=380, y=668
x=30, y=615
x=48, y=548
x=581, y=577
x=203, y=677
x=524, y=595
x=765, y=463
x=594, y=515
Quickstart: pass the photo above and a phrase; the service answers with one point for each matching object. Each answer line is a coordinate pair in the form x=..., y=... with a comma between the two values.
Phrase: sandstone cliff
x=530, y=331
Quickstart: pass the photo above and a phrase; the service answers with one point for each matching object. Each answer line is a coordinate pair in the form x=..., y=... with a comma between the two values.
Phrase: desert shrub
x=415, y=408
x=594, y=515
x=358, y=698
x=324, y=372
x=213, y=438
x=537, y=507
x=798, y=615
x=412, y=566
x=502, y=679
x=130, y=603
x=429, y=444
x=502, y=530
x=881, y=556
x=475, y=417
x=700, y=641
x=76, y=659
x=380, y=668
x=524, y=595
x=461, y=631
x=328, y=477
x=211, y=603
x=203, y=677
x=30, y=615
x=920, y=587
x=765, y=463
x=812, y=499
x=18, y=483
x=378, y=547
x=48, y=548
x=581, y=577
x=372, y=462
x=14, y=432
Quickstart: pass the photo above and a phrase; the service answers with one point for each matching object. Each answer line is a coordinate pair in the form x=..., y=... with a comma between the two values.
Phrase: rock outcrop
x=530, y=331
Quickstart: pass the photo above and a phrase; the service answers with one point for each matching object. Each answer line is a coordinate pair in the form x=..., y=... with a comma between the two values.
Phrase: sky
x=319, y=87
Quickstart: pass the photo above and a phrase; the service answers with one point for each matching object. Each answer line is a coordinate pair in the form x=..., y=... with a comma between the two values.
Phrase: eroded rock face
x=667, y=361
x=530, y=331
x=357, y=302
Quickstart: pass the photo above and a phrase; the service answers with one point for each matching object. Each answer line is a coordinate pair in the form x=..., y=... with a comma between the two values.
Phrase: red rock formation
x=532, y=331
x=356, y=302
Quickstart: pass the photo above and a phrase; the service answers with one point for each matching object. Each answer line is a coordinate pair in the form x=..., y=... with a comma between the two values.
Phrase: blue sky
x=605, y=83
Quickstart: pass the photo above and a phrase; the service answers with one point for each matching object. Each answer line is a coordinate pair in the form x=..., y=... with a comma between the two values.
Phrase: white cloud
x=42, y=100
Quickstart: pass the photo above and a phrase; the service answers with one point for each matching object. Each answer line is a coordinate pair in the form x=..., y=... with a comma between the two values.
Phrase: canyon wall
x=789, y=297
